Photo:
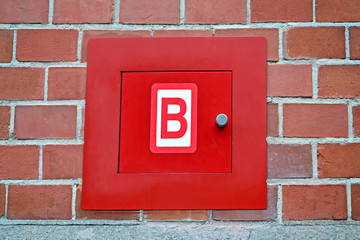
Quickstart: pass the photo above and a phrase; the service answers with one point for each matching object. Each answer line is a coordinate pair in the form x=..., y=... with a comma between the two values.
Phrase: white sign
x=173, y=116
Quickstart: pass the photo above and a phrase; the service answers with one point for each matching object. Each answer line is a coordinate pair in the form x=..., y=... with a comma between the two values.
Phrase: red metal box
x=151, y=139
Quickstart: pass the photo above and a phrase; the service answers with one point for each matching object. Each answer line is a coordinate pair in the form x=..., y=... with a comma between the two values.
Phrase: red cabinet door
x=210, y=148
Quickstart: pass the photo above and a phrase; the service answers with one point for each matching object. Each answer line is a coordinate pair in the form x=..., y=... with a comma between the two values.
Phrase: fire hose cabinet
x=175, y=123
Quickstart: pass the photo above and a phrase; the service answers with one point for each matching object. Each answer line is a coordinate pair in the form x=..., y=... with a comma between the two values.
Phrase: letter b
x=166, y=117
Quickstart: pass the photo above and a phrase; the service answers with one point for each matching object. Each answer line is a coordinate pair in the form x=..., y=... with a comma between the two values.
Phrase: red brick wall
x=313, y=78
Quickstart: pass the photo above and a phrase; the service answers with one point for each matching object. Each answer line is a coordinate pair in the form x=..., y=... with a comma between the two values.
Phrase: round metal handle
x=221, y=120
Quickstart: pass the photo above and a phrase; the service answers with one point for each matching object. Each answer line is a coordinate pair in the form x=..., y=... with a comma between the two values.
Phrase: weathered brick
x=62, y=161
x=281, y=11
x=66, y=83
x=355, y=201
x=150, y=11
x=337, y=10
x=252, y=215
x=4, y=122
x=271, y=35
x=314, y=202
x=339, y=81
x=108, y=34
x=183, y=33
x=338, y=160
x=19, y=162
x=356, y=120
x=2, y=199
x=21, y=83
x=24, y=11
x=102, y=214
x=39, y=202
x=215, y=11
x=272, y=119
x=6, y=45
x=83, y=11
x=161, y=215
x=315, y=120
x=315, y=42
x=287, y=80
x=289, y=161
x=354, y=37
x=47, y=45
x=45, y=122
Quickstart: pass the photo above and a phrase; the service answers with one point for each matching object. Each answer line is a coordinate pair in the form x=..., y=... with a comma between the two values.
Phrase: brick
x=315, y=120
x=39, y=202
x=19, y=162
x=271, y=35
x=289, y=161
x=183, y=33
x=62, y=161
x=338, y=160
x=161, y=215
x=281, y=11
x=339, y=81
x=6, y=45
x=314, y=202
x=355, y=201
x=102, y=214
x=354, y=37
x=24, y=11
x=2, y=200
x=83, y=11
x=4, y=122
x=45, y=122
x=215, y=11
x=287, y=80
x=356, y=120
x=108, y=34
x=47, y=45
x=22, y=83
x=315, y=42
x=150, y=11
x=337, y=10
x=269, y=213
x=272, y=120
x=66, y=83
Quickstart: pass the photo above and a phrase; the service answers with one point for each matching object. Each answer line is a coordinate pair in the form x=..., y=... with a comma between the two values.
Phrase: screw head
x=221, y=120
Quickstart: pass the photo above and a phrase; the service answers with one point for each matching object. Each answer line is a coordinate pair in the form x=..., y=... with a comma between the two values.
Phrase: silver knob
x=221, y=120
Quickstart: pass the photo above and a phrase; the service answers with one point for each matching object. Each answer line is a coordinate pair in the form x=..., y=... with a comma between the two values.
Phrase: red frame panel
x=243, y=188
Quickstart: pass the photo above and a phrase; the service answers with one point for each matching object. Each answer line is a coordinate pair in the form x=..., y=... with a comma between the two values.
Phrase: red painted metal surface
x=213, y=152
x=244, y=187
